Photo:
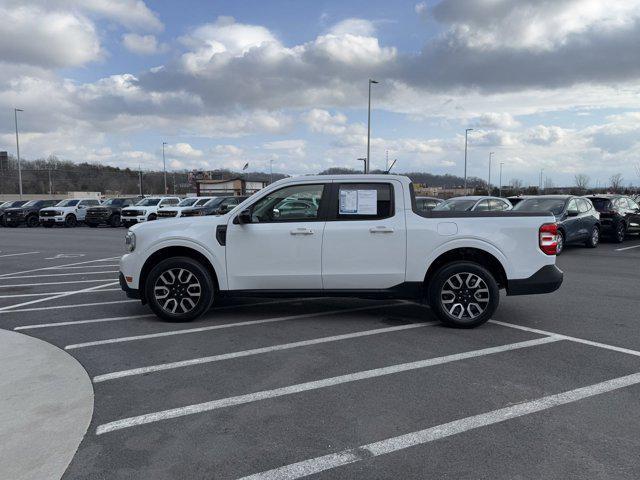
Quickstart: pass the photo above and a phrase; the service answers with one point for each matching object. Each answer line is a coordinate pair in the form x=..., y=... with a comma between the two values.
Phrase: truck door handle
x=301, y=231
x=381, y=230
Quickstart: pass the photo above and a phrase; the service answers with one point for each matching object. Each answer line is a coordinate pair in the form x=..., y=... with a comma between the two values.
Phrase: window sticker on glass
x=358, y=202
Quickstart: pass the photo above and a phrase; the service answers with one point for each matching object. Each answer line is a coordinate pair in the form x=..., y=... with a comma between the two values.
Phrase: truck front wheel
x=463, y=294
x=179, y=289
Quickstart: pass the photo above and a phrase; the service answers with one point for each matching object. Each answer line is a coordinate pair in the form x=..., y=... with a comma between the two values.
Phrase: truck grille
x=47, y=213
x=167, y=214
x=131, y=213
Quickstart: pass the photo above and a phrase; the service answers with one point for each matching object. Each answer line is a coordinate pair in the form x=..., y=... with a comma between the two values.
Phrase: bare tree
x=616, y=182
x=516, y=184
x=582, y=181
x=548, y=183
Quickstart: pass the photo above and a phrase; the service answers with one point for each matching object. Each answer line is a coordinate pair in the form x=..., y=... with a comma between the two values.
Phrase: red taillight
x=548, y=238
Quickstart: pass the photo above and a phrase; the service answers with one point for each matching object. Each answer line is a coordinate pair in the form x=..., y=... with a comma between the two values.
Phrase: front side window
x=482, y=206
x=187, y=202
x=573, y=206
x=289, y=204
x=364, y=201
x=148, y=202
x=68, y=203
x=170, y=201
x=584, y=205
x=632, y=204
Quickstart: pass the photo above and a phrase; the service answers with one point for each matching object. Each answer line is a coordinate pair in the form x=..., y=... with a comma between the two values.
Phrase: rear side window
x=170, y=201
x=364, y=201
x=482, y=206
x=601, y=204
x=583, y=205
x=632, y=204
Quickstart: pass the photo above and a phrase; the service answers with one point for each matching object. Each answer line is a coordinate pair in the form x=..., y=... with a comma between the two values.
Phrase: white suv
x=67, y=212
x=146, y=209
x=175, y=212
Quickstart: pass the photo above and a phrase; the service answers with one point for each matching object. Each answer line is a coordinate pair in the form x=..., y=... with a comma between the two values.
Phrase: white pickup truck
x=342, y=235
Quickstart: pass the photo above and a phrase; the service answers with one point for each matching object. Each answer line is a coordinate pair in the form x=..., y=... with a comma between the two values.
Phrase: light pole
x=540, y=185
x=164, y=168
x=270, y=171
x=15, y=115
x=489, y=179
x=367, y=163
x=364, y=163
x=466, y=139
x=500, y=186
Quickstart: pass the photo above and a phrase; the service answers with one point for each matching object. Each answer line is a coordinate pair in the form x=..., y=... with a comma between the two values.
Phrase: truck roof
x=361, y=177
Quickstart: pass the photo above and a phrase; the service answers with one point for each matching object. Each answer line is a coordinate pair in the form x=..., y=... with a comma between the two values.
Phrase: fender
x=467, y=242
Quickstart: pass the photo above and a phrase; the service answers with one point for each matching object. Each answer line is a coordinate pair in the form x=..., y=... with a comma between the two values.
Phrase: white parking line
x=65, y=265
x=17, y=254
x=627, y=248
x=81, y=266
x=55, y=296
x=566, y=337
x=80, y=322
x=115, y=319
x=421, y=437
x=255, y=351
x=23, y=295
x=59, y=274
x=58, y=307
x=220, y=327
x=51, y=283
x=314, y=385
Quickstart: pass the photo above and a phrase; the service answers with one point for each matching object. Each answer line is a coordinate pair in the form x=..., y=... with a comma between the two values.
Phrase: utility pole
x=15, y=114
x=386, y=162
x=164, y=167
x=540, y=184
x=140, y=178
x=50, y=182
x=500, y=186
x=270, y=171
x=489, y=179
x=367, y=165
x=174, y=183
x=466, y=141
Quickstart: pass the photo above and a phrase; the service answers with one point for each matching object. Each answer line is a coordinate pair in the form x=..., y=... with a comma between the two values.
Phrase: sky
x=550, y=85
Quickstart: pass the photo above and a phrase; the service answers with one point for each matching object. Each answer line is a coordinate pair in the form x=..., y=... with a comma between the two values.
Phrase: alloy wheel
x=465, y=296
x=177, y=291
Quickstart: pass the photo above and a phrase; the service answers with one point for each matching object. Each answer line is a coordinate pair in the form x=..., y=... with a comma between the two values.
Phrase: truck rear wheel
x=179, y=289
x=463, y=294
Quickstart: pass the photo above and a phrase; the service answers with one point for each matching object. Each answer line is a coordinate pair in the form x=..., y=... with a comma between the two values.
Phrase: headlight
x=130, y=241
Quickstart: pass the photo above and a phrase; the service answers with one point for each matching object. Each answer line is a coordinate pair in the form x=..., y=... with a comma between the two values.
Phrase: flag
x=246, y=165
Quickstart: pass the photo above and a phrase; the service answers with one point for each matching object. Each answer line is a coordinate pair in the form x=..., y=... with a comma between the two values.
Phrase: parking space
x=339, y=388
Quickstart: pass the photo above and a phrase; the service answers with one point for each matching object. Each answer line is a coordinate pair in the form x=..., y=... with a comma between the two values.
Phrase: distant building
x=228, y=187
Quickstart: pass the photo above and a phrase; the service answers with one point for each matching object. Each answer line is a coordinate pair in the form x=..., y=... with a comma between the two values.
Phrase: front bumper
x=133, y=220
x=130, y=292
x=51, y=219
x=546, y=280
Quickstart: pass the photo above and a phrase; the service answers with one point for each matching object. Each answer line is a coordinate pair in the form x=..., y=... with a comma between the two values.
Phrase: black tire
x=444, y=287
x=114, y=221
x=178, y=286
x=92, y=224
x=594, y=238
x=152, y=217
x=70, y=221
x=561, y=243
x=619, y=232
x=47, y=225
x=11, y=224
x=32, y=221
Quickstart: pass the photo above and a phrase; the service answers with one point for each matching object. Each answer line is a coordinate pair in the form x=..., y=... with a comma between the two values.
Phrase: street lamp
x=364, y=162
x=540, y=184
x=368, y=163
x=15, y=115
x=489, y=179
x=500, y=186
x=164, y=167
x=466, y=138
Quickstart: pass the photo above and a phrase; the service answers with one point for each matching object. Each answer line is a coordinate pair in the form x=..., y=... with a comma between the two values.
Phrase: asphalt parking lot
x=335, y=388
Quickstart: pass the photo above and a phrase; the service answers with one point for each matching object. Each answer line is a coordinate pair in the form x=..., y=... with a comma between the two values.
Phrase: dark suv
x=109, y=212
x=215, y=206
x=7, y=205
x=619, y=215
x=578, y=221
x=27, y=213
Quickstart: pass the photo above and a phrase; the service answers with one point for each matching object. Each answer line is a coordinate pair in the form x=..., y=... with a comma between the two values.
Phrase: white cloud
x=353, y=26
x=292, y=147
x=143, y=44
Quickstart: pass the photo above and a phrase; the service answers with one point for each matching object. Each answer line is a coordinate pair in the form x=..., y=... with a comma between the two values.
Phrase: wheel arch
x=174, y=251
x=471, y=254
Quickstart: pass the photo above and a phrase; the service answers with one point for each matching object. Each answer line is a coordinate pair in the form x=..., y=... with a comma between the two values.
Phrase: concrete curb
x=46, y=404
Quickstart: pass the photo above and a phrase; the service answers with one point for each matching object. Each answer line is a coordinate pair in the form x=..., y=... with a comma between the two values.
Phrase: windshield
x=114, y=201
x=456, y=205
x=68, y=203
x=31, y=203
x=601, y=204
x=202, y=201
x=148, y=202
x=553, y=205
x=214, y=202
x=187, y=202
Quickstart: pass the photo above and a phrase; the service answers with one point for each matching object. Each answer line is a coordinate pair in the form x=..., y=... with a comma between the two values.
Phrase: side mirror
x=244, y=216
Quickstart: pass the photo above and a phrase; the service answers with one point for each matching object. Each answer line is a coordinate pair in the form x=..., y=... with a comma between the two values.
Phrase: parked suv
x=146, y=210
x=27, y=213
x=174, y=212
x=216, y=206
x=109, y=212
x=619, y=215
x=578, y=220
x=474, y=203
x=67, y=212
x=7, y=205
